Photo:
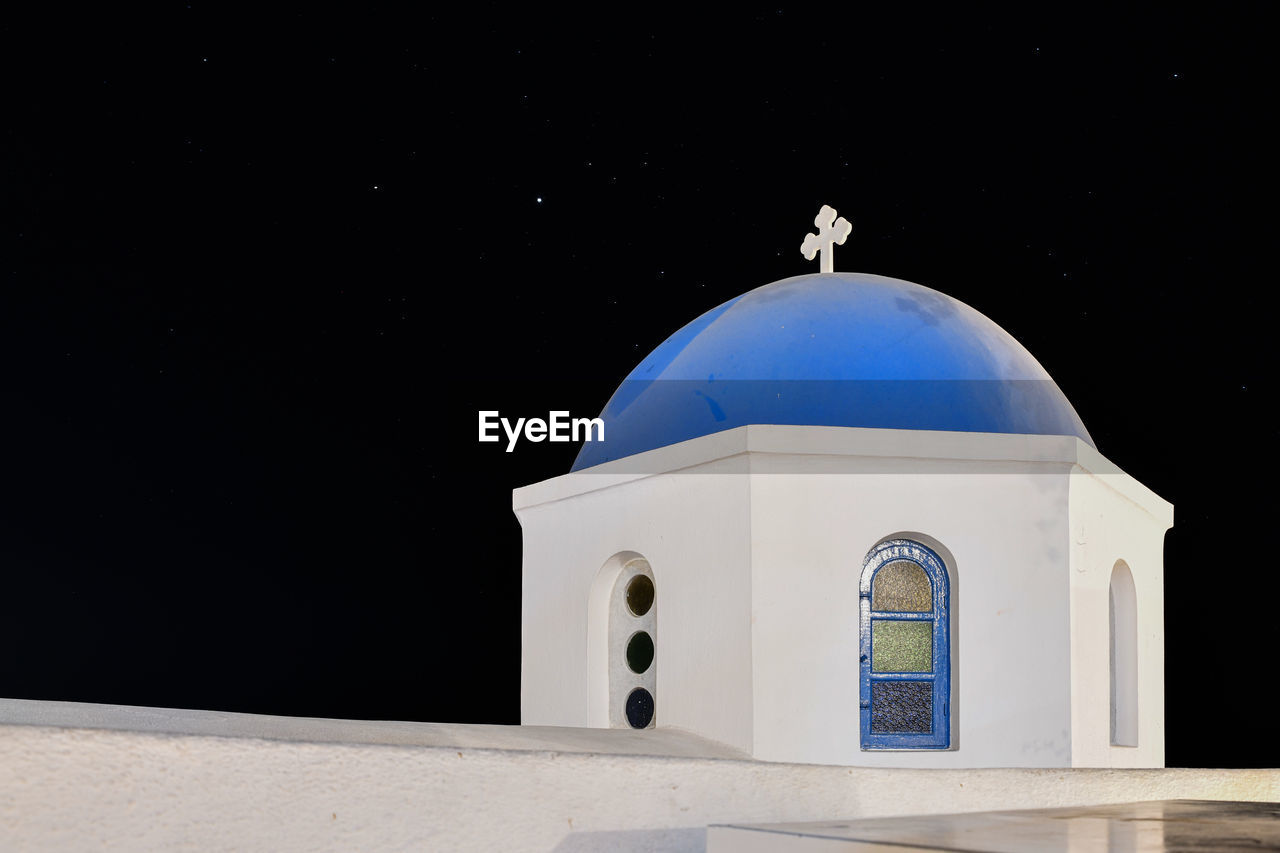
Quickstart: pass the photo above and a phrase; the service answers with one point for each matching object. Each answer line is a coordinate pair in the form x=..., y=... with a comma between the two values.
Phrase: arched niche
x=1122, y=612
x=622, y=644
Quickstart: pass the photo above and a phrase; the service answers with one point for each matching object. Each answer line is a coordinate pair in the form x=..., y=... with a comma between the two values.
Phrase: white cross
x=831, y=233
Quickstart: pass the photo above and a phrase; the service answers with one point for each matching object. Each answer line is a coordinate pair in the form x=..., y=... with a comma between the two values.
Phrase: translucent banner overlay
x=647, y=415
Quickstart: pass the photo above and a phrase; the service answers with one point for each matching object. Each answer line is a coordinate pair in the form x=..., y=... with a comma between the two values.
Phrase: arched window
x=905, y=656
x=1122, y=610
x=633, y=667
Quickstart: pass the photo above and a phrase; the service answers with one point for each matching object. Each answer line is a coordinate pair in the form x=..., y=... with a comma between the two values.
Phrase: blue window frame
x=905, y=659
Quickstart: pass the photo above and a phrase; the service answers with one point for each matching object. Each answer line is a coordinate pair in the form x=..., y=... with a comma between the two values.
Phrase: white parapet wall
x=79, y=777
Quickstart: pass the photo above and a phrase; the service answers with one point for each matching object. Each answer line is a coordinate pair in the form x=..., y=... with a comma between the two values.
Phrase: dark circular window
x=640, y=595
x=639, y=708
x=640, y=651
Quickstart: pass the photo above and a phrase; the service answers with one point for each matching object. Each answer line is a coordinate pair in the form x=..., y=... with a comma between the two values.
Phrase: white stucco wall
x=85, y=777
x=1003, y=533
x=692, y=527
x=757, y=536
x=1114, y=518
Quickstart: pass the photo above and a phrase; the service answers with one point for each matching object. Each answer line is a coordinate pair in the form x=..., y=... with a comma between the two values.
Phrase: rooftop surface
x=1131, y=827
x=77, y=776
x=669, y=742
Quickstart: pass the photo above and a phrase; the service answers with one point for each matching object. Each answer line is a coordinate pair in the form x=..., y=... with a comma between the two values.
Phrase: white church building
x=845, y=553
x=847, y=519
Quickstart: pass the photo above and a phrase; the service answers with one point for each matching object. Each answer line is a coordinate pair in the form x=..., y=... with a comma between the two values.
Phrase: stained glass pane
x=640, y=651
x=901, y=646
x=639, y=595
x=904, y=707
x=640, y=708
x=901, y=587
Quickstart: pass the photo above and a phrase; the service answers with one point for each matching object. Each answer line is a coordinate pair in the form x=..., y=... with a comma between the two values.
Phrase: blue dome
x=833, y=349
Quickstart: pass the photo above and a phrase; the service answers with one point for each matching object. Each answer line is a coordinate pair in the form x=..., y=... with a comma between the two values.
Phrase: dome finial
x=831, y=233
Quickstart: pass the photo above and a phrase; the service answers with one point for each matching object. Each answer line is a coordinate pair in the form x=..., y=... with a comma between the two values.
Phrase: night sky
x=260, y=272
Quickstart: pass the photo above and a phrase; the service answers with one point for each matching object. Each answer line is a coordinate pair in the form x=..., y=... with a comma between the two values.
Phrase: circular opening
x=640, y=708
x=640, y=595
x=640, y=651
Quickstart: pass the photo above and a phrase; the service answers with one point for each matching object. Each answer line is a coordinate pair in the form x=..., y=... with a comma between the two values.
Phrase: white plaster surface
x=756, y=537
x=692, y=528
x=77, y=777
x=178, y=721
x=1010, y=661
x=1109, y=523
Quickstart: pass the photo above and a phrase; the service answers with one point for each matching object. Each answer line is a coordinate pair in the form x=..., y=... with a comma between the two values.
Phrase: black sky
x=260, y=271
